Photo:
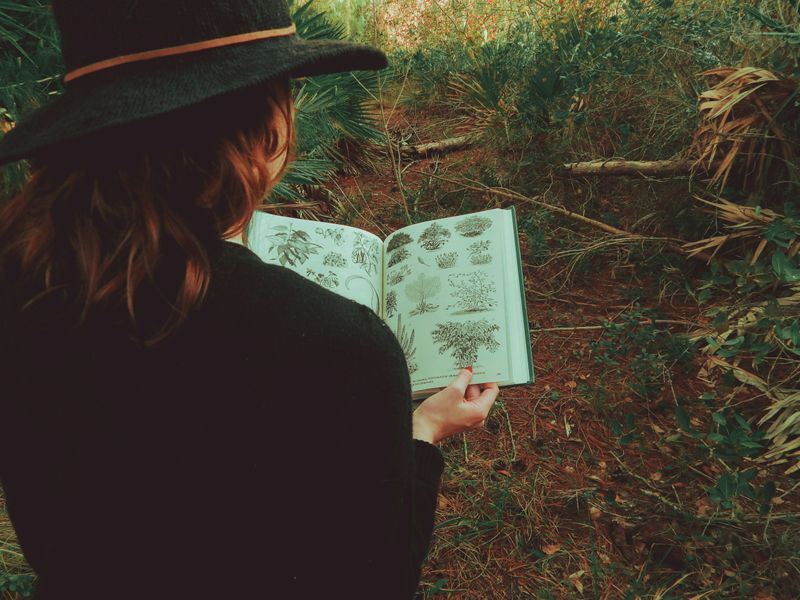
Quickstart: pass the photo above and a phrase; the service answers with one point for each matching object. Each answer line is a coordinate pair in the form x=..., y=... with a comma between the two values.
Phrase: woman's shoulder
x=278, y=301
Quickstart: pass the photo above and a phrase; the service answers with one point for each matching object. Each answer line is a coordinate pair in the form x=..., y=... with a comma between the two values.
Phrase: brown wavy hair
x=97, y=217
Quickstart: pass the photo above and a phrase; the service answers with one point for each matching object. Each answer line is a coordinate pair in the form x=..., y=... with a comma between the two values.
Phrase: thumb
x=462, y=380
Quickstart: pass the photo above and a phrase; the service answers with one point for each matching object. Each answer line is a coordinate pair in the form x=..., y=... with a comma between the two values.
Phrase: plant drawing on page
x=328, y=280
x=398, y=256
x=446, y=260
x=333, y=234
x=474, y=292
x=434, y=237
x=421, y=290
x=398, y=275
x=479, y=252
x=463, y=339
x=406, y=340
x=473, y=226
x=391, y=303
x=293, y=246
x=366, y=253
x=334, y=259
x=375, y=294
x=398, y=240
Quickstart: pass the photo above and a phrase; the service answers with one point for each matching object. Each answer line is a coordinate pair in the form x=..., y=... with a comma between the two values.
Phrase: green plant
x=30, y=65
x=643, y=353
x=754, y=337
x=21, y=584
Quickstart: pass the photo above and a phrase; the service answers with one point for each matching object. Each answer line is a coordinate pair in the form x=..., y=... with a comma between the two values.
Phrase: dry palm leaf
x=783, y=412
x=744, y=222
x=738, y=120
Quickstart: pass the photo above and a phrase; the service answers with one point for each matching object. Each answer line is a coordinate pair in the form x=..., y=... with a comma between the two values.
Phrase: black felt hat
x=129, y=60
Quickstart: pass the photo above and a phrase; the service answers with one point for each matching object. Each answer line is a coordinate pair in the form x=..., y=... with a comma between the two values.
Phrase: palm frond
x=739, y=119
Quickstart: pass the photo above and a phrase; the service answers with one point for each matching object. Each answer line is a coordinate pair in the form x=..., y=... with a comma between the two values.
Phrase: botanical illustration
x=479, y=252
x=446, y=260
x=376, y=295
x=334, y=259
x=406, y=340
x=422, y=261
x=398, y=240
x=464, y=339
x=421, y=290
x=329, y=279
x=365, y=253
x=398, y=256
x=434, y=237
x=293, y=245
x=397, y=276
x=337, y=235
x=473, y=226
x=391, y=303
x=474, y=292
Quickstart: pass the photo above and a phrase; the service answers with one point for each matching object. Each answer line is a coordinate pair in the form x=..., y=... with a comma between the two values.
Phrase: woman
x=181, y=420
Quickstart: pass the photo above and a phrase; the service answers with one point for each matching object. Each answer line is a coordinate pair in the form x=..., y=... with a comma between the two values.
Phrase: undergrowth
x=656, y=456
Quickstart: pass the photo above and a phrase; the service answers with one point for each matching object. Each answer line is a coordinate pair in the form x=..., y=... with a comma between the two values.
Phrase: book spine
x=522, y=292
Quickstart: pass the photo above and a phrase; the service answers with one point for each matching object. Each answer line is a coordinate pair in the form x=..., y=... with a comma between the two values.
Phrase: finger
x=461, y=380
x=473, y=392
x=488, y=396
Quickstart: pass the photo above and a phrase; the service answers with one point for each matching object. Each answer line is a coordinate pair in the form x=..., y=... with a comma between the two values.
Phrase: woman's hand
x=454, y=409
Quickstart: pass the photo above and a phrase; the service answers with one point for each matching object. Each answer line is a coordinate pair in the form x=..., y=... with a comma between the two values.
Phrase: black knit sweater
x=264, y=451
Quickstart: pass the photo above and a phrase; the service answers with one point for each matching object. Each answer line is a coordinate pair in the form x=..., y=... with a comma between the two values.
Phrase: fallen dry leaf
x=551, y=549
x=703, y=506
x=575, y=578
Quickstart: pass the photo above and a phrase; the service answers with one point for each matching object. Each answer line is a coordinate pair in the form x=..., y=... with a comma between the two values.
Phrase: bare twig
x=674, y=243
x=587, y=327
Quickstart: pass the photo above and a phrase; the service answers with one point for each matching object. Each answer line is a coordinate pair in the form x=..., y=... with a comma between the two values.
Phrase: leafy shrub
x=641, y=352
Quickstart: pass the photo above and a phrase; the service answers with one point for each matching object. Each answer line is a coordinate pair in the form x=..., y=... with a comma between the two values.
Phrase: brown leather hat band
x=183, y=49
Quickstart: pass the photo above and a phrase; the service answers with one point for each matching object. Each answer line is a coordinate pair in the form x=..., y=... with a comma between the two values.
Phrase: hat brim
x=136, y=91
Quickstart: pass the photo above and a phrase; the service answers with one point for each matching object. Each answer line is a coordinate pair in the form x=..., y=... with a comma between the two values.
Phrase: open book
x=450, y=289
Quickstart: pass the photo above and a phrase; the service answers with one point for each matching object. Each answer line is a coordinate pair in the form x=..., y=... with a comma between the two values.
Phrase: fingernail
x=469, y=368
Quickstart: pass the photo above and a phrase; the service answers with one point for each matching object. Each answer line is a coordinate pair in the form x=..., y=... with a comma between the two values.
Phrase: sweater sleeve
x=402, y=481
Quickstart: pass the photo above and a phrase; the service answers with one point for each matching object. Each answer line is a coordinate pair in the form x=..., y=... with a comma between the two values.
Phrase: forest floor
x=573, y=488
x=576, y=487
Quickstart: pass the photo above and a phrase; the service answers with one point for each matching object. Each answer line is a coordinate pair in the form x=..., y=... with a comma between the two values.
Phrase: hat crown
x=96, y=30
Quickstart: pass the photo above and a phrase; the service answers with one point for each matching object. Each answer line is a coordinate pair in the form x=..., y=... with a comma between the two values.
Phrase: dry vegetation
x=657, y=454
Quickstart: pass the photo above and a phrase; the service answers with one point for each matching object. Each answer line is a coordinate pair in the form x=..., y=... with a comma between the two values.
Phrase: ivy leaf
x=784, y=269
x=683, y=419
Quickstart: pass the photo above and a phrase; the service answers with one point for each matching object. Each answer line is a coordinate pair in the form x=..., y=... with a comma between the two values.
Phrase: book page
x=344, y=259
x=445, y=298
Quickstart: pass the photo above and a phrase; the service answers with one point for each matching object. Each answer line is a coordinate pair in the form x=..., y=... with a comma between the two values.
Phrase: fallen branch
x=447, y=145
x=651, y=168
x=674, y=243
x=587, y=327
